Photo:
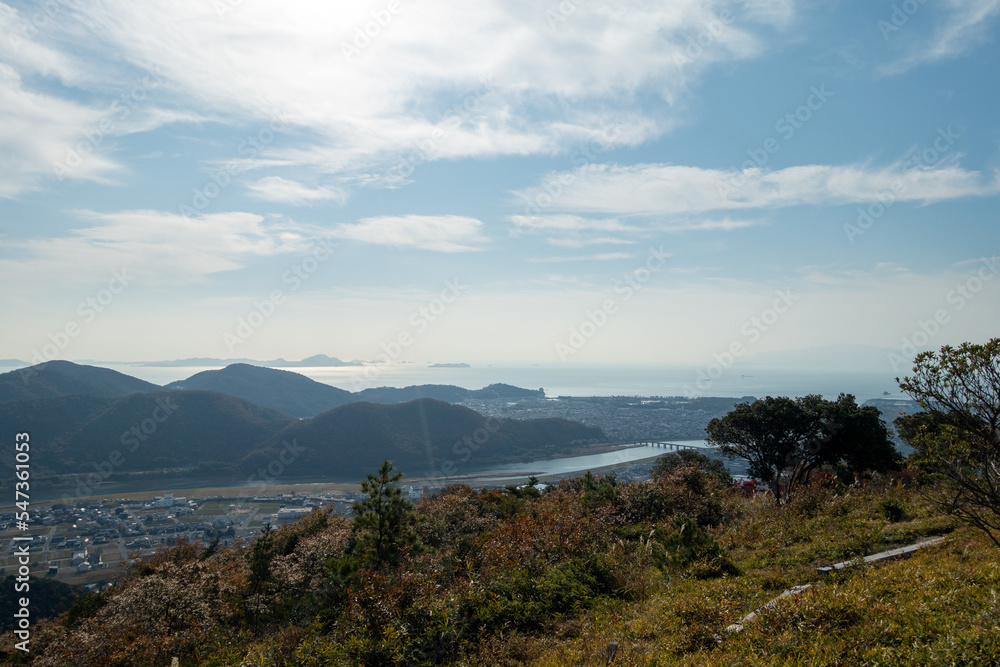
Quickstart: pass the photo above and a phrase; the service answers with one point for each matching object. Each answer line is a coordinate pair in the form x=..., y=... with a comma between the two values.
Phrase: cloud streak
x=277, y=189
x=672, y=190
x=160, y=248
x=964, y=28
x=442, y=233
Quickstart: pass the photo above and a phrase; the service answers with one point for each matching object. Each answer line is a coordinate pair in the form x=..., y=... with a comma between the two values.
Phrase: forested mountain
x=289, y=392
x=64, y=378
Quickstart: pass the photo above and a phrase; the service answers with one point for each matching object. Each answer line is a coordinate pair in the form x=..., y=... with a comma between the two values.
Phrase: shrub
x=892, y=509
x=689, y=547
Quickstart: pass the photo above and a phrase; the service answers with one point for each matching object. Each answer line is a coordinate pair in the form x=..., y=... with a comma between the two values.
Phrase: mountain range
x=287, y=391
x=92, y=425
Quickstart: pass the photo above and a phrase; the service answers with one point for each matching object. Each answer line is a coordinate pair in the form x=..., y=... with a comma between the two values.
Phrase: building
x=292, y=513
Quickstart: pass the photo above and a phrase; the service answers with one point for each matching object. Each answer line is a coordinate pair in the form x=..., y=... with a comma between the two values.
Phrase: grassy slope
x=942, y=606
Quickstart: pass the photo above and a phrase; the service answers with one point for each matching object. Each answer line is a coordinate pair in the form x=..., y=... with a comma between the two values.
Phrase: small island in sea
x=463, y=365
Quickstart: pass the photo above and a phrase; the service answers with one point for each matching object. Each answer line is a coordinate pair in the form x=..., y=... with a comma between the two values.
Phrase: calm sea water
x=579, y=380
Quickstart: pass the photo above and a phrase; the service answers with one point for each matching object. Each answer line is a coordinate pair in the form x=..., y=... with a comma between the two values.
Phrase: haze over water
x=561, y=380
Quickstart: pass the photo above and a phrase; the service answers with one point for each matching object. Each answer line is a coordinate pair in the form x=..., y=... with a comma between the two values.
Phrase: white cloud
x=964, y=28
x=599, y=257
x=277, y=189
x=40, y=132
x=18, y=46
x=44, y=136
x=440, y=233
x=581, y=242
x=158, y=248
x=414, y=91
x=574, y=231
x=725, y=225
x=660, y=189
x=565, y=223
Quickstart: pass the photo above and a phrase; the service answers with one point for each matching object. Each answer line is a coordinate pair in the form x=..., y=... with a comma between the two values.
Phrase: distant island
x=449, y=366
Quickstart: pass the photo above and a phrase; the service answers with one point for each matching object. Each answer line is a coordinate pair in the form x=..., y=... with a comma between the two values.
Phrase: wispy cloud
x=599, y=257
x=662, y=190
x=441, y=233
x=277, y=189
x=582, y=242
x=365, y=111
x=38, y=133
x=707, y=225
x=565, y=223
x=965, y=27
x=160, y=248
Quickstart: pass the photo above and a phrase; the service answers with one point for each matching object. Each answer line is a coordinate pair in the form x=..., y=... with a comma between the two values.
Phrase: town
x=85, y=541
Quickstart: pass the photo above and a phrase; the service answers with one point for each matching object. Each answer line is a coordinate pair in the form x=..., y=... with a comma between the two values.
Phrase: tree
x=259, y=560
x=385, y=519
x=956, y=437
x=784, y=440
x=852, y=436
x=714, y=468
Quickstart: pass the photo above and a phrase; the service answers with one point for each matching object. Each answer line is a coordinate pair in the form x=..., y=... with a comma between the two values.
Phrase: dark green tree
x=785, y=440
x=851, y=436
x=383, y=522
x=956, y=437
x=259, y=560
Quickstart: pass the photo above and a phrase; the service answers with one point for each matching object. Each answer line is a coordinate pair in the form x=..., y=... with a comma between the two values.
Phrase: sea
x=560, y=380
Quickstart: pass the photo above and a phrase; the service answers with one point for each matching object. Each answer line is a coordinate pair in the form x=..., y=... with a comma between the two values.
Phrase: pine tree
x=383, y=521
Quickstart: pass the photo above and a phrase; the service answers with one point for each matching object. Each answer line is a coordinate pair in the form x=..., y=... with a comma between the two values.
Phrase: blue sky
x=574, y=182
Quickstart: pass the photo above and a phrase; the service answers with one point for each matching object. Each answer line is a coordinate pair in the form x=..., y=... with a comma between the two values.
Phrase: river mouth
x=623, y=455
x=488, y=475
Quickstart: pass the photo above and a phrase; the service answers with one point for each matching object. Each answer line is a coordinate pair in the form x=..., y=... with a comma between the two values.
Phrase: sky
x=575, y=182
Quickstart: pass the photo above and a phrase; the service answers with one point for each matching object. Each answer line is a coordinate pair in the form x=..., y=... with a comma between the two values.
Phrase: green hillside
x=421, y=434
x=286, y=391
x=64, y=378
